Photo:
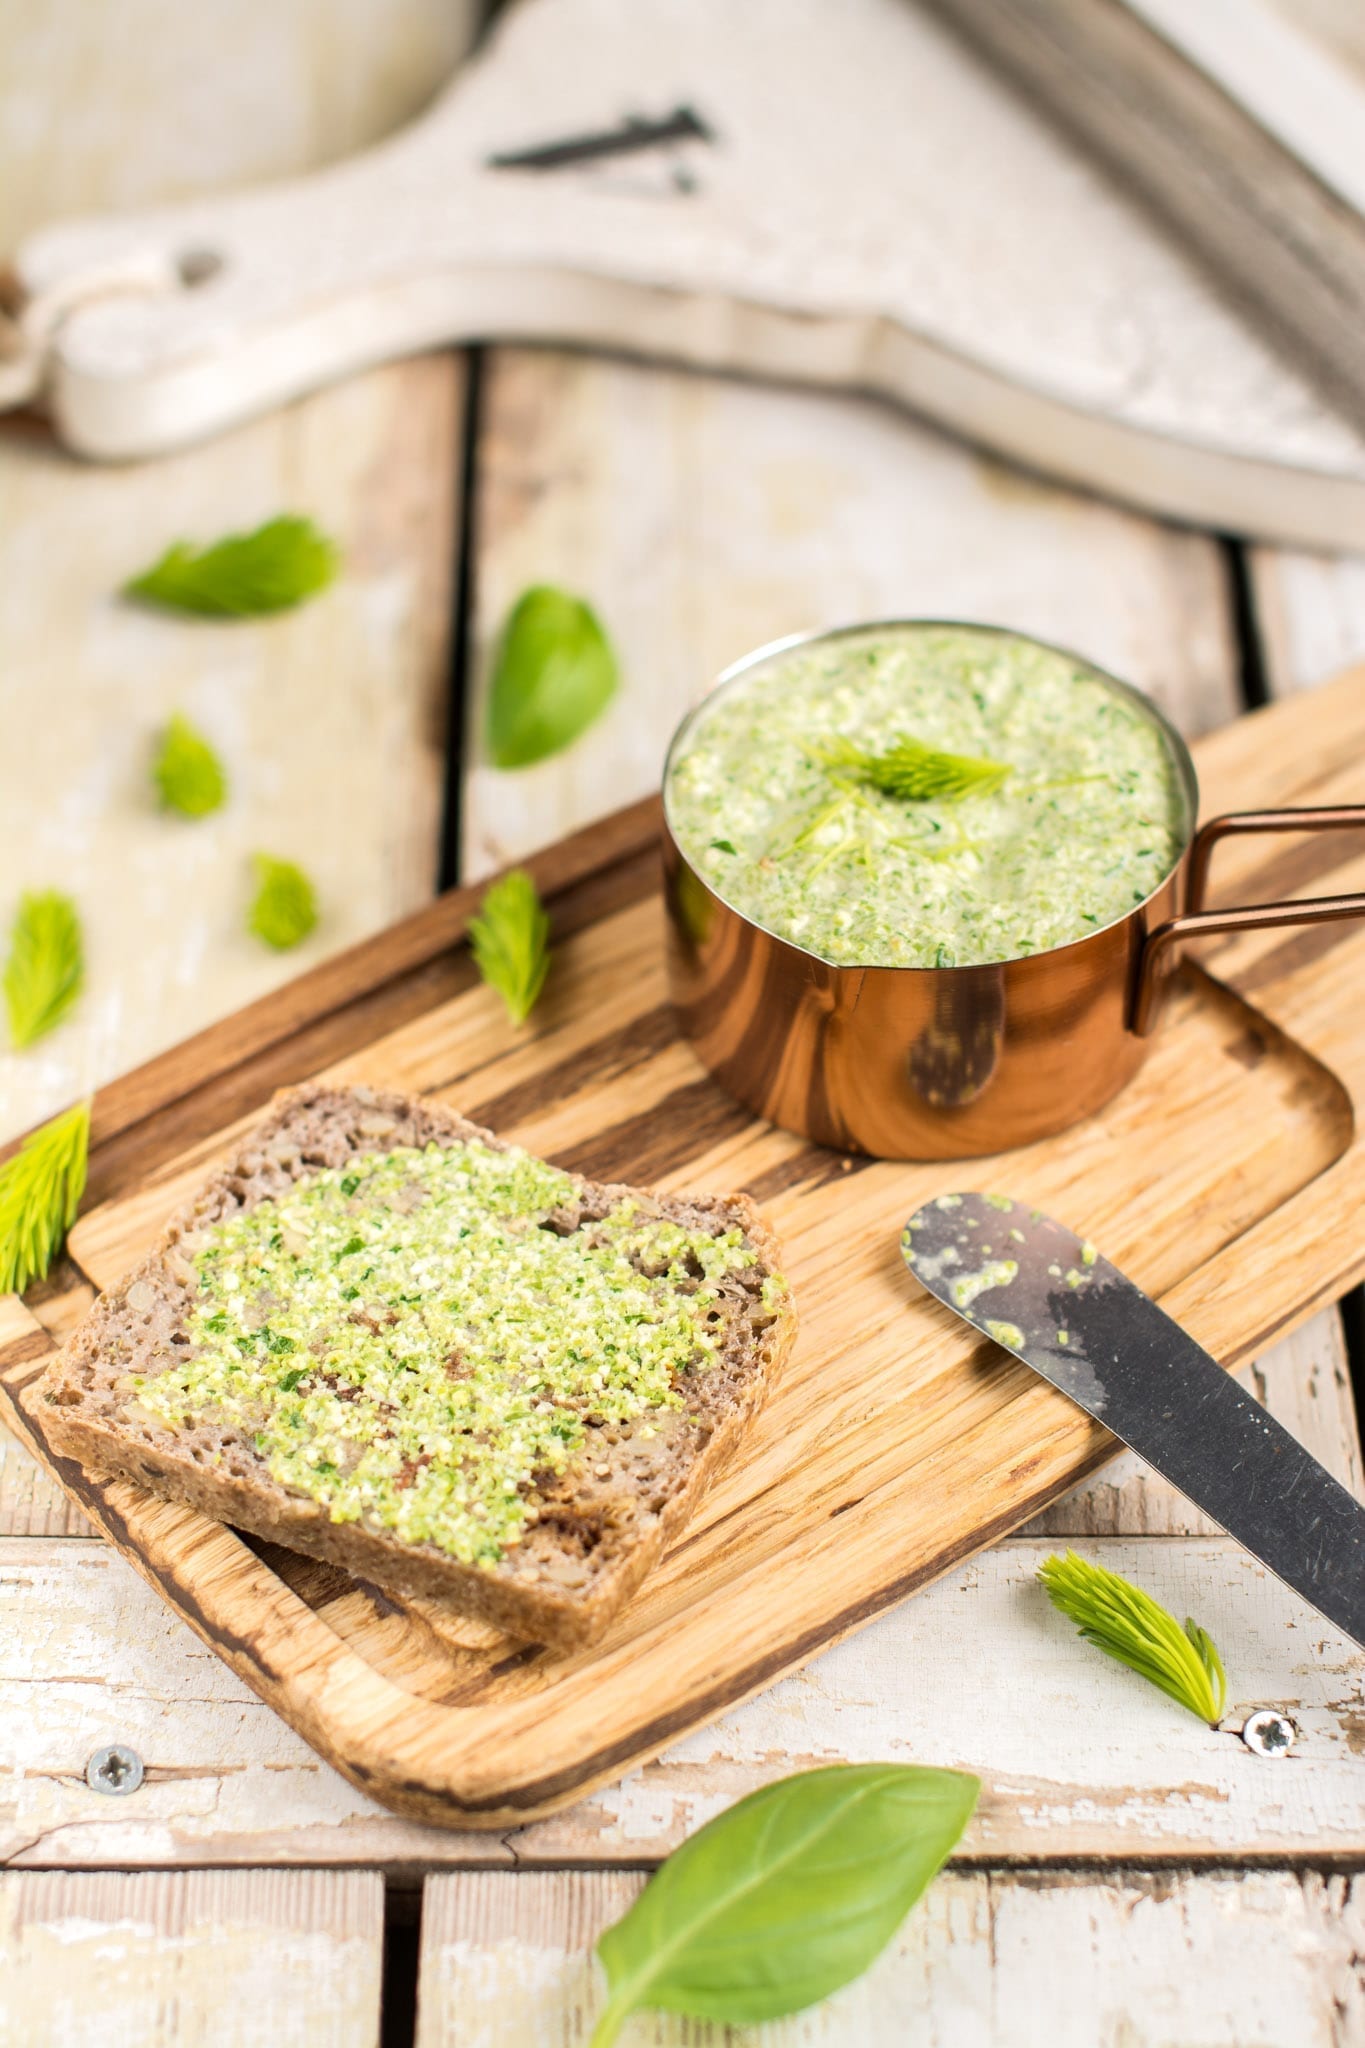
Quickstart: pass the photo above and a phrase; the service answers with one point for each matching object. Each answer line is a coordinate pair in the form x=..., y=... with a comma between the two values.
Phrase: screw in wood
x=1269, y=1732
x=115, y=1770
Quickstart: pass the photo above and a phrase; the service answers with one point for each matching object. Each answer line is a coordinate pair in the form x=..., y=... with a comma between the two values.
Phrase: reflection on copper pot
x=948, y=1062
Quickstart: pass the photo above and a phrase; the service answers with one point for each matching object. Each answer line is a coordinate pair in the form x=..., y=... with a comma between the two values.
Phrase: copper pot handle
x=1156, y=962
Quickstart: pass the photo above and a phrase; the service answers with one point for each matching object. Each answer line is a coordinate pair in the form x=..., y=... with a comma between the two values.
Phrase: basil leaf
x=786, y=1896
x=555, y=673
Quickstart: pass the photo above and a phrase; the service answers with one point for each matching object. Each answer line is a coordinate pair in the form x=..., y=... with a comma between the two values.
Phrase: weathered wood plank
x=1310, y=611
x=1078, y=1757
x=192, y=1959
x=705, y=517
x=986, y=1960
x=329, y=720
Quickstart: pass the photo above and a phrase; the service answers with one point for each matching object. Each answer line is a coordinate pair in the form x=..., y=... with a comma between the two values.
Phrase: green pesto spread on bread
x=411, y=1340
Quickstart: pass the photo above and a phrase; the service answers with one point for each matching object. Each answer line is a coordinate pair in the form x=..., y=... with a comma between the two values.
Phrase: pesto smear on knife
x=1086, y=823
x=411, y=1340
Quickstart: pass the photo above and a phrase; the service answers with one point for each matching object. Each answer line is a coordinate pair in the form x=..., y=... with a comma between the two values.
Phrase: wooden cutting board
x=1228, y=1179
x=840, y=195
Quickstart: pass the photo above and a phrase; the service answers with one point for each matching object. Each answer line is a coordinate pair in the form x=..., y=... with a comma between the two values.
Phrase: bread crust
x=533, y=1594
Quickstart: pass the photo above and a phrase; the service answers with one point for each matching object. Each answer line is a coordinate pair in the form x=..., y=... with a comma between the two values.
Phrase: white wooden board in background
x=137, y=102
x=1022, y=299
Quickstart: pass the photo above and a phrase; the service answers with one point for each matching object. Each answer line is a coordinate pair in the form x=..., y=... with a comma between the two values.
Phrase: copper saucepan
x=948, y=1062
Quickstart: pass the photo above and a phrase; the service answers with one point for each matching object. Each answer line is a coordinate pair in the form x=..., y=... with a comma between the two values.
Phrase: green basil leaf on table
x=554, y=674
x=285, y=908
x=244, y=575
x=188, y=775
x=1136, y=1630
x=786, y=1896
x=40, y=1190
x=45, y=969
x=510, y=941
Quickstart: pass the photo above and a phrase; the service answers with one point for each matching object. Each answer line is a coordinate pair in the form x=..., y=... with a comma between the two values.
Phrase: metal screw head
x=1269, y=1732
x=116, y=1770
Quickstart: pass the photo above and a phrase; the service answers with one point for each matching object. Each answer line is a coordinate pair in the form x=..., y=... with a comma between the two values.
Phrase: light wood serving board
x=1228, y=1180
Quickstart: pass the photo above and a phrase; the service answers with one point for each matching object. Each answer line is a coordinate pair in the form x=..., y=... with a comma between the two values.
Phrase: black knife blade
x=1047, y=1295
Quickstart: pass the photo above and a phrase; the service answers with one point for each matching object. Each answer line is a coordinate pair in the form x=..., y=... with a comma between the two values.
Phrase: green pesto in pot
x=411, y=1340
x=1089, y=820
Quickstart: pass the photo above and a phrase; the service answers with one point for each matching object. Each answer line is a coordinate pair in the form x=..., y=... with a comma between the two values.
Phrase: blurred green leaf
x=285, y=907
x=243, y=575
x=45, y=969
x=188, y=774
x=555, y=673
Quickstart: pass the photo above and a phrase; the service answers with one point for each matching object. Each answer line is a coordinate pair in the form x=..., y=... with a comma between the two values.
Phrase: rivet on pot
x=115, y=1770
x=1269, y=1732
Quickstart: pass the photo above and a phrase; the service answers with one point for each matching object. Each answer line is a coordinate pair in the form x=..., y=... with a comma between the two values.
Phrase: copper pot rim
x=760, y=657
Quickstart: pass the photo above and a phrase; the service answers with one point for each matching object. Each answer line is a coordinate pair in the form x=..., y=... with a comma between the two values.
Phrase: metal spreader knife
x=1035, y=1288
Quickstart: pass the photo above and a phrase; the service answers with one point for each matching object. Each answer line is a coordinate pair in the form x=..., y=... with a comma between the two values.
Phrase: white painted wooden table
x=1131, y=1878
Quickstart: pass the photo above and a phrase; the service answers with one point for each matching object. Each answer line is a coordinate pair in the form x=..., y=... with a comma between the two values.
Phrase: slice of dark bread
x=598, y=1525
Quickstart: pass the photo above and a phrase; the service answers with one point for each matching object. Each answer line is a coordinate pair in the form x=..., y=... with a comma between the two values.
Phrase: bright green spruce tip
x=911, y=771
x=45, y=967
x=785, y=1897
x=510, y=941
x=555, y=673
x=244, y=575
x=1136, y=1630
x=284, y=910
x=188, y=775
x=40, y=1190
x=405, y=1344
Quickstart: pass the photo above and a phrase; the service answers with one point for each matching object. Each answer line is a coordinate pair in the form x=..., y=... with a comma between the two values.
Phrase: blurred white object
x=874, y=208
x=1241, y=130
